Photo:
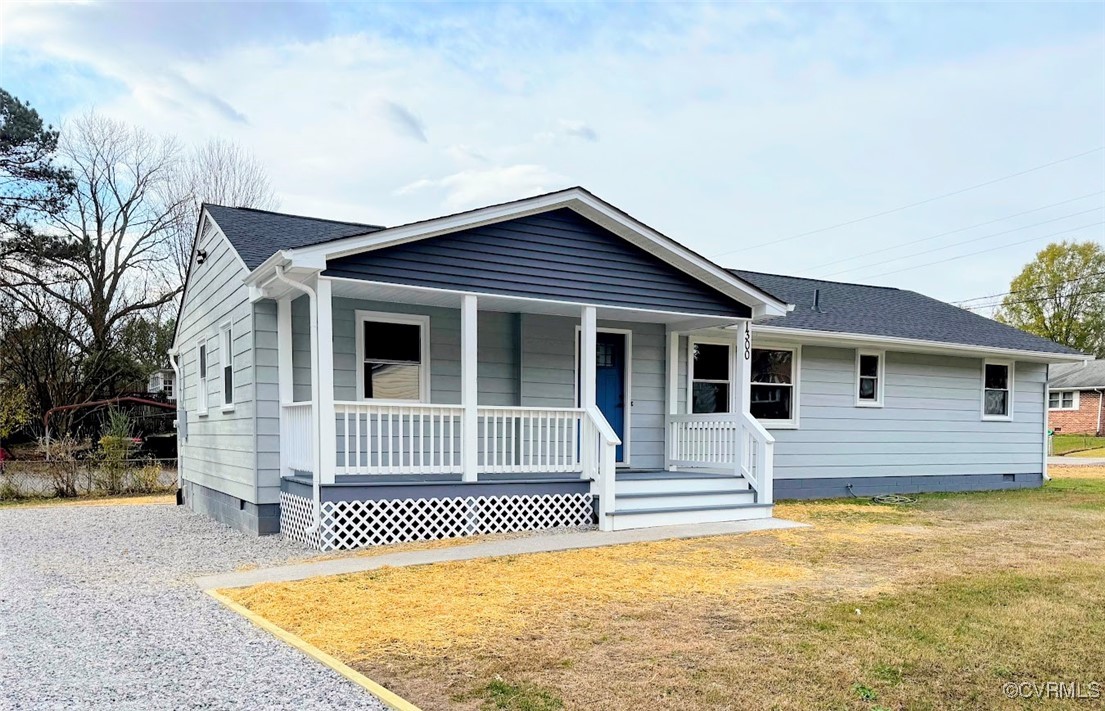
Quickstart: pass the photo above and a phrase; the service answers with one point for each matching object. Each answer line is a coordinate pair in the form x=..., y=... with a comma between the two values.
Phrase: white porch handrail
x=599, y=452
x=528, y=439
x=297, y=435
x=735, y=443
x=419, y=438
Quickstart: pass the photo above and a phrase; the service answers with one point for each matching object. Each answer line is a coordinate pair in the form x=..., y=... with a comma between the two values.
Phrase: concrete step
x=677, y=483
x=623, y=519
x=684, y=499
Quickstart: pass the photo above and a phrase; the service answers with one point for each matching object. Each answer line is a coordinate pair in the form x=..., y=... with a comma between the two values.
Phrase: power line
x=966, y=241
x=961, y=229
x=989, y=249
x=1037, y=300
x=912, y=204
x=1031, y=288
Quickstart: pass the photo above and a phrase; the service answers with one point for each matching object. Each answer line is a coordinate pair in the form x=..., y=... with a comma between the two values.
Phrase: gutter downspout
x=315, y=408
x=181, y=419
x=1100, y=396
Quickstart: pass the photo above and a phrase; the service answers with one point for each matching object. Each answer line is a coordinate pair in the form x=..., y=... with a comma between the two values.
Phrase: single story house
x=1074, y=397
x=554, y=361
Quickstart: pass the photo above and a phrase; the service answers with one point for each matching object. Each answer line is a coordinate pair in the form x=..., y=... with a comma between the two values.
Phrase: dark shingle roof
x=1075, y=376
x=887, y=312
x=258, y=234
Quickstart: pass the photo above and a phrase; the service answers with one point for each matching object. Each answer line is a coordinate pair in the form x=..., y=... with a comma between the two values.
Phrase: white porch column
x=672, y=394
x=744, y=366
x=588, y=344
x=469, y=387
x=323, y=339
x=284, y=372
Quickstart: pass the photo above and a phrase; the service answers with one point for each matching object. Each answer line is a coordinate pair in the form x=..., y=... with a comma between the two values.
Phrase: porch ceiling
x=398, y=293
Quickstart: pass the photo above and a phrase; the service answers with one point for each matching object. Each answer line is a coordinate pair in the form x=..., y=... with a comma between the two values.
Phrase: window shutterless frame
x=997, y=389
x=201, y=379
x=795, y=385
x=1062, y=400
x=693, y=377
x=423, y=322
x=870, y=377
x=226, y=361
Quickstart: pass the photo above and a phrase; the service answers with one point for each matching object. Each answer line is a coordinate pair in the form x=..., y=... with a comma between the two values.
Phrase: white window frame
x=203, y=364
x=1008, y=417
x=226, y=343
x=423, y=322
x=733, y=381
x=1075, y=404
x=796, y=378
x=880, y=377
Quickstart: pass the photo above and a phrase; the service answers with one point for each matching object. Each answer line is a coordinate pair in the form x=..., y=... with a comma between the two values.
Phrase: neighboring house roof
x=1077, y=376
x=885, y=312
x=257, y=234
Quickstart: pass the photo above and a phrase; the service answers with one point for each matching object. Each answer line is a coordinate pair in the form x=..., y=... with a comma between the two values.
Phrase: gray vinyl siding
x=930, y=424
x=549, y=377
x=219, y=451
x=556, y=255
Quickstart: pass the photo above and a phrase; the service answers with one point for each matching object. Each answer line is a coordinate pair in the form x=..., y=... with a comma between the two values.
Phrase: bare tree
x=221, y=172
x=90, y=269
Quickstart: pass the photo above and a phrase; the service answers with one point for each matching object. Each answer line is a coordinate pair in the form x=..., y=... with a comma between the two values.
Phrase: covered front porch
x=451, y=413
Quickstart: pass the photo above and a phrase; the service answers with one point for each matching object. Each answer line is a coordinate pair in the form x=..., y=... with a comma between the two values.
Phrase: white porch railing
x=735, y=443
x=598, y=451
x=398, y=439
x=528, y=439
x=297, y=436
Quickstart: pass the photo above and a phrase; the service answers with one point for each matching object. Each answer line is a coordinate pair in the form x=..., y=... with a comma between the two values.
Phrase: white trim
x=582, y=202
x=1008, y=416
x=627, y=408
x=469, y=384
x=203, y=367
x=852, y=340
x=420, y=320
x=226, y=342
x=692, y=340
x=880, y=378
x=1075, y=399
x=796, y=378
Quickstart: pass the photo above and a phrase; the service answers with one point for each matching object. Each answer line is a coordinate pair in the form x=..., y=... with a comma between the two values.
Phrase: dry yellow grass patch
x=93, y=501
x=957, y=594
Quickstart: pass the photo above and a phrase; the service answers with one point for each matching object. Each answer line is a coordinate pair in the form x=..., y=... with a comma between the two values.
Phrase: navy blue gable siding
x=556, y=255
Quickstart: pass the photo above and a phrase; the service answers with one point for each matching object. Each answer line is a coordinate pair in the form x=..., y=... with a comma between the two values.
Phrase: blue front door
x=610, y=382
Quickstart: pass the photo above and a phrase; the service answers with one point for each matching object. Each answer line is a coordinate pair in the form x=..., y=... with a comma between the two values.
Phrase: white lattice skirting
x=354, y=524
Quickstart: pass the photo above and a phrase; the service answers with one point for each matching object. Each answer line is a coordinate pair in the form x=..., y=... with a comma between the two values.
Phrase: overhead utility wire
x=1036, y=300
x=956, y=231
x=963, y=242
x=1030, y=288
x=988, y=249
x=912, y=204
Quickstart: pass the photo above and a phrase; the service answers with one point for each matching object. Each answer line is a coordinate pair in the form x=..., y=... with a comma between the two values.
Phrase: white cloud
x=474, y=188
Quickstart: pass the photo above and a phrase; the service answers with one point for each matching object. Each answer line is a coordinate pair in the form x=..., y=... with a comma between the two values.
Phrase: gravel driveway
x=98, y=610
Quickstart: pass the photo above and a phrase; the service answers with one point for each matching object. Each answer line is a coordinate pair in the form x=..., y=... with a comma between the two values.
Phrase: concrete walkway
x=488, y=549
x=1076, y=461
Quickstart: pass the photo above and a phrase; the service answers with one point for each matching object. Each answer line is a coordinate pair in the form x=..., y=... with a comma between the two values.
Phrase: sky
x=924, y=146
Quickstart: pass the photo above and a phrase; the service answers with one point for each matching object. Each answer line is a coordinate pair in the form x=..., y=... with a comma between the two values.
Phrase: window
x=226, y=345
x=711, y=380
x=1062, y=400
x=201, y=381
x=774, y=392
x=393, y=352
x=167, y=388
x=869, y=378
x=997, y=390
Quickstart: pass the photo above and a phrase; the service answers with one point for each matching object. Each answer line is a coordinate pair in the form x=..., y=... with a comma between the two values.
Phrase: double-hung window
x=226, y=346
x=774, y=386
x=201, y=380
x=997, y=390
x=393, y=356
x=869, y=378
x=1062, y=400
x=711, y=377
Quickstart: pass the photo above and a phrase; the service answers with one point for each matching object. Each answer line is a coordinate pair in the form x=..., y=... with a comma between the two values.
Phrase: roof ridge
x=824, y=281
x=299, y=217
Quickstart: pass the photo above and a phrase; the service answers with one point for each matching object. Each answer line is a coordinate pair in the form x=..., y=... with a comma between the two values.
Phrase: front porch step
x=623, y=519
x=684, y=499
x=672, y=482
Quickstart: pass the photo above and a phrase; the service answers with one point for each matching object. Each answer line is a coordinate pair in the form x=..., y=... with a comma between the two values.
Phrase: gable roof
x=886, y=312
x=1077, y=376
x=257, y=234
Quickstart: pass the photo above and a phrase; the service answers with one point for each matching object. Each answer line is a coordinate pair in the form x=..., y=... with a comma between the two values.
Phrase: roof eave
x=916, y=344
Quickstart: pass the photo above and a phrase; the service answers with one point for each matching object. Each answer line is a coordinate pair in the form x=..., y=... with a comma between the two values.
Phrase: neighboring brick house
x=1074, y=397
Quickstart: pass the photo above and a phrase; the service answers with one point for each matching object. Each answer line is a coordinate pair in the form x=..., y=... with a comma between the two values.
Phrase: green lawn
x=1065, y=444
